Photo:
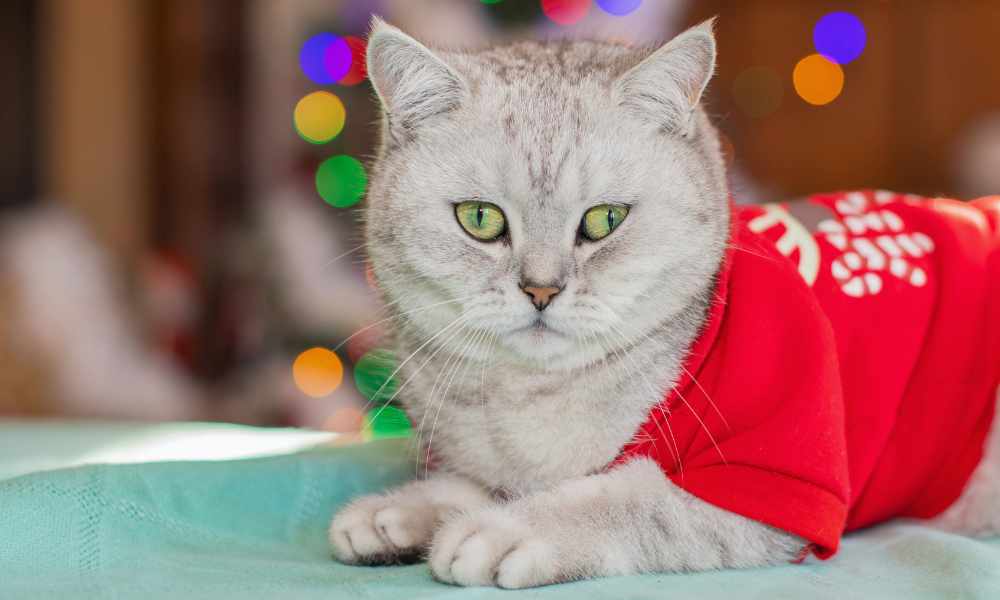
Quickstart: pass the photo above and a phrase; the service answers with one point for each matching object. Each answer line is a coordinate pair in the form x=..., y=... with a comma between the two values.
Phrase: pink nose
x=541, y=296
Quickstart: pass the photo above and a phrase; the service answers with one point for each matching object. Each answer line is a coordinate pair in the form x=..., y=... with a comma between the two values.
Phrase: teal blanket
x=256, y=528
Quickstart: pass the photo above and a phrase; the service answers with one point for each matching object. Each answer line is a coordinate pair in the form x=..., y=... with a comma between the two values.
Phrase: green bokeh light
x=341, y=181
x=386, y=422
x=371, y=373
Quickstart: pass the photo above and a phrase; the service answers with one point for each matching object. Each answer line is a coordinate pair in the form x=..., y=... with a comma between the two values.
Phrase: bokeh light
x=619, y=8
x=341, y=181
x=318, y=372
x=327, y=59
x=357, y=71
x=372, y=376
x=840, y=36
x=758, y=91
x=386, y=422
x=337, y=59
x=363, y=342
x=347, y=419
x=319, y=117
x=565, y=12
x=818, y=80
x=311, y=58
x=490, y=1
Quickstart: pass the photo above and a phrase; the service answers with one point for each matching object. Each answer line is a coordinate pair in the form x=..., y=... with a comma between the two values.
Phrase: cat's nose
x=541, y=296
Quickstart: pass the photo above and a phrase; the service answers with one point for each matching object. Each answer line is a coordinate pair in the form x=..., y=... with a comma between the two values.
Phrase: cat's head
x=564, y=197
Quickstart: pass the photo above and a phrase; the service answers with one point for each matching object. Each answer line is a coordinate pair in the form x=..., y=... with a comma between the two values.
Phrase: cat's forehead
x=544, y=94
x=537, y=108
x=541, y=126
x=527, y=64
x=549, y=102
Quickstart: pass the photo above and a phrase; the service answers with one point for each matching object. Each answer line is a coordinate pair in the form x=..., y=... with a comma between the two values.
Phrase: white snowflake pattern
x=873, y=242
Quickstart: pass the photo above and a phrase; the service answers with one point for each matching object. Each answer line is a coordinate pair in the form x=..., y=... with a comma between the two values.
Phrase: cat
x=550, y=226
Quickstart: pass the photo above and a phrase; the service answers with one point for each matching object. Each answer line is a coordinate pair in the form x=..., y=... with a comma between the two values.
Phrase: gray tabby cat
x=538, y=344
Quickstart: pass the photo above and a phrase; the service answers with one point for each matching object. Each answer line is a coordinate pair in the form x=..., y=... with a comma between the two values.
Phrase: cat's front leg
x=629, y=520
x=397, y=526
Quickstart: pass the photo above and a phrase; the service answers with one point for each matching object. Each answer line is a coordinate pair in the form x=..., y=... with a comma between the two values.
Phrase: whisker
x=458, y=321
x=739, y=248
x=396, y=316
x=463, y=354
x=707, y=397
x=444, y=344
x=450, y=362
x=340, y=256
x=675, y=450
x=487, y=357
x=609, y=348
x=694, y=413
x=437, y=351
x=702, y=423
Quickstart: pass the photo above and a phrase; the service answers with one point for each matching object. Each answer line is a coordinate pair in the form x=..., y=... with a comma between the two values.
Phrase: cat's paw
x=382, y=530
x=492, y=547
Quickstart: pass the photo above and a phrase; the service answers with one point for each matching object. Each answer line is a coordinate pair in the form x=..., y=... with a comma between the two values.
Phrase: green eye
x=483, y=221
x=601, y=220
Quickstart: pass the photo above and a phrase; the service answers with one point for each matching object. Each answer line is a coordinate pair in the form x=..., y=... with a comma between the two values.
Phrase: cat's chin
x=540, y=341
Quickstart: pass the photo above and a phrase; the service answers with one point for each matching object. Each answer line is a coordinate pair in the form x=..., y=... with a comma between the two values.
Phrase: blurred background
x=178, y=178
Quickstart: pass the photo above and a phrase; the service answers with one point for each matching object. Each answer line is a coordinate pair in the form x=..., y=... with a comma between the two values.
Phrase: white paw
x=492, y=547
x=381, y=530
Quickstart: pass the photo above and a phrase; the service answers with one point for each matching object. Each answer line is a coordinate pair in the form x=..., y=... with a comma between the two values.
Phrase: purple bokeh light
x=325, y=58
x=619, y=8
x=311, y=58
x=337, y=57
x=840, y=36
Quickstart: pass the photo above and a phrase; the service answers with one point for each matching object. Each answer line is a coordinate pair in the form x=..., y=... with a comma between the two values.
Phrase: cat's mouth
x=541, y=338
x=538, y=327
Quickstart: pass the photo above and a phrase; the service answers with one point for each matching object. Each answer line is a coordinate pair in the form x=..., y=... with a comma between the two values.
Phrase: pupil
x=479, y=216
x=611, y=219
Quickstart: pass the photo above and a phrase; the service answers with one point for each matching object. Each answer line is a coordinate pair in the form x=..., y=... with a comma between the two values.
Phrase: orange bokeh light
x=319, y=117
x=818, y=80
x=318, y=372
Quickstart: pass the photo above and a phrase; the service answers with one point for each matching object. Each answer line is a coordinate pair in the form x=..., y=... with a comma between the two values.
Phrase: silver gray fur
x=523, y=420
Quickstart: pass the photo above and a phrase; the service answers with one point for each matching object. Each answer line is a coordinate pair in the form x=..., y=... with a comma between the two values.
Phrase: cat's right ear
x=412, y=83
x=667, y=86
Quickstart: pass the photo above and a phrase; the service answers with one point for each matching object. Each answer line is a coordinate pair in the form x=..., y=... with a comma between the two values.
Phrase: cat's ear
x=667, y=86
x=412, y=83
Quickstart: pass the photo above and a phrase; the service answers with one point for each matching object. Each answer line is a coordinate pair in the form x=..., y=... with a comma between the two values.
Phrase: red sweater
x=848, y=369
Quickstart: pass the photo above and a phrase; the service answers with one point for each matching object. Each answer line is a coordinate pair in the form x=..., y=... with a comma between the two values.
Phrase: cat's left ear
x=410, y=80
x=667, y=86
